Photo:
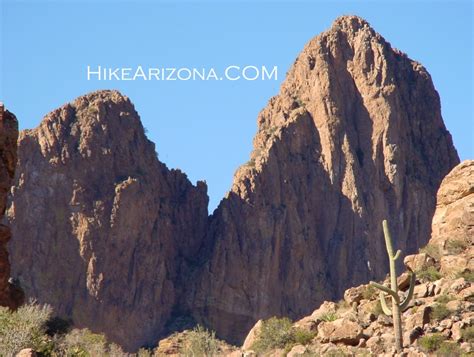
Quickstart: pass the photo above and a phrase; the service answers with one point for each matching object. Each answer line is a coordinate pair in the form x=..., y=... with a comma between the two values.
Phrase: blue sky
x=206, y=128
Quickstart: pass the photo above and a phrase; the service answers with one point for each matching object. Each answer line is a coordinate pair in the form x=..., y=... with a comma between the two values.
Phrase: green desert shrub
x=23, y=328
x=329, y=316
x=302, y=336
x=468, y=275
x=342, y=305
x=201, y=342
x=468, y=334
x=369, y=292
x=274, y=333
x=431, y=343
x=445, y=298
x=143, y=352
x=456, y=246
x=429, y=273
x=439, y=312
x=439, y=346
x=279, y=333
x=82, y=343
x=377, y=310
x=336, y=352
x=432, y=250
x=448, y=349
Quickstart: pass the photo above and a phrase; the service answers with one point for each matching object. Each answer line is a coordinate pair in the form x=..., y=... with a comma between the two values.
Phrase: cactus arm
x=386, y=310
x=405, y=302
x=386, y=290
x=397, y=254
x=396, y=312
x=388, y=239
x=391, y=257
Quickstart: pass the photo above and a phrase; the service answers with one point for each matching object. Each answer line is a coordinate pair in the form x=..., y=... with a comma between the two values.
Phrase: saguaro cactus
x=397, y=305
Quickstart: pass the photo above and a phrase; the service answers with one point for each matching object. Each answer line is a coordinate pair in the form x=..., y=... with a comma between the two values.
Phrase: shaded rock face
x=9, y=295
x=358, y=326
x=354, y=137
x=105, y=231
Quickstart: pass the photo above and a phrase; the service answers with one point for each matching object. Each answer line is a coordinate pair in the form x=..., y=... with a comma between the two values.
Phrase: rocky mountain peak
x=105, y=231
x=114, y=240
x=355, y=136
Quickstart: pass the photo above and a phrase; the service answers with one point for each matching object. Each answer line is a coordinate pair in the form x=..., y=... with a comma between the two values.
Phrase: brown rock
x=308, y=323
x=422, y=290
x=418, y=262
x=26, y=352
x=252, y=335
x=403, y=281
x=325, y=308
x=452, y=264
x=297, y=350
x=336, y=152
x=340, y=331
x=454, y=305
x=375, y=345
x=454, y=217
x=413, y=335
x=355, y=295
x=107, y=234
x=467, y=293
x=418, y=319
x=10, y=295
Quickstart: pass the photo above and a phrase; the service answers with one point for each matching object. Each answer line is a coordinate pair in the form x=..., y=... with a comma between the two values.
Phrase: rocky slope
x=9, y=294
x=105, y=231
x=439, y=320
x=117, y=242
x=354, y=137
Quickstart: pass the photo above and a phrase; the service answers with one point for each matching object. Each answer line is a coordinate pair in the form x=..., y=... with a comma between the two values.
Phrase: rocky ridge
x=10, y=295
x=114, y=240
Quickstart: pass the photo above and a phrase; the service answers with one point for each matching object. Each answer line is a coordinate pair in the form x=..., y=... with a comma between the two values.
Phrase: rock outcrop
x=438, y=322
x=111, y=238
x=454, y=216
x=10, y=295
x=354, y=137
x=105, y=231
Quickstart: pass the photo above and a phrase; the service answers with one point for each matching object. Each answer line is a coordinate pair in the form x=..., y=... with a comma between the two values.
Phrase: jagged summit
x=105, y=231
x=355, y=136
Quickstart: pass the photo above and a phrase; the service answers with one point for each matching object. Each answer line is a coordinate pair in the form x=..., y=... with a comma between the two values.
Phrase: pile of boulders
x=357, y=324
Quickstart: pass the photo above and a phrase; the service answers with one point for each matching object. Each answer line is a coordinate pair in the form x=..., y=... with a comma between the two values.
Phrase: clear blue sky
x=206, y=128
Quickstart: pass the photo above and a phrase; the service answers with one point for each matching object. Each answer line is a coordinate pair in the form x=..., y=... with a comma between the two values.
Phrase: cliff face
x=9, y=295
x=105, y=231
x=454, y=216
x=354, y=137
x=110, y=237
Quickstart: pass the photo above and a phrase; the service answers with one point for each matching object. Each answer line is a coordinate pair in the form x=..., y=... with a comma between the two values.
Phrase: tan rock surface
x=106, y=232
x=454, y=217
x=354, y=137
x=340, y=331
x=10, y=295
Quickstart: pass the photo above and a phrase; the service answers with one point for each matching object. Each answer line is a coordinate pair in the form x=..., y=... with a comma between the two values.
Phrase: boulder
x=252, y=335
x=340, y=331
x=417, y=262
